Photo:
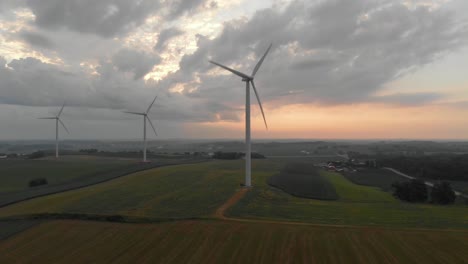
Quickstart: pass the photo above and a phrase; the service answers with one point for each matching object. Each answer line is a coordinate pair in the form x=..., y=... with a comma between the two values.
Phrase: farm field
x=9, y=228
x=16, y=174
x=375, y=177
x=70, y=172
x=182, y=191
x=356, y=205
x=229, y=242
x=196, y=190
x=301, y=180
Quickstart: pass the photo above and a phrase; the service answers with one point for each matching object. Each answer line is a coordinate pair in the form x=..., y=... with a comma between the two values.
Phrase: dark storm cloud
x=324, y=52
x=31, y=82
x=334, y=52
x=180, y=7
x=106, y=18
x=165, y=36
x=138, y=63
x=36, y=39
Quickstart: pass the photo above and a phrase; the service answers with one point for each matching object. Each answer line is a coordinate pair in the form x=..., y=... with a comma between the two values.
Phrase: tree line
x=416, y=191
x=440, y=167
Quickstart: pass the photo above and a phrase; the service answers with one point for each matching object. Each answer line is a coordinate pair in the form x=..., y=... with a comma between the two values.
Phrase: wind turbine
x=248, y=79
x=145, y=117
x=57, y=121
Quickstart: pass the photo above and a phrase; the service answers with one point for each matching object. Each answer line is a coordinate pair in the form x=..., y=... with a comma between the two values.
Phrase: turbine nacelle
x=57, y=121
x=249, y=79
x=145, y=118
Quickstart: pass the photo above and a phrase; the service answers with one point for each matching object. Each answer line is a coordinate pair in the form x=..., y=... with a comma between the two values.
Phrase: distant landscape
x=301, y=190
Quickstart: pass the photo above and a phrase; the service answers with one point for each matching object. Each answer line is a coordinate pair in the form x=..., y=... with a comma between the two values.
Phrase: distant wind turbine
x=248, y=80
x=57, y=121
x=145, y=117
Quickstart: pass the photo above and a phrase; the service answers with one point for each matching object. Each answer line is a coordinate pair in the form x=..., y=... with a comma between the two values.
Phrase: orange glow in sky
x=360, y=121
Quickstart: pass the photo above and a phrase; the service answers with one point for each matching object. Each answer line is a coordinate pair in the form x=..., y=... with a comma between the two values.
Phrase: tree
x=410, y=191
x=37, y=155
x=442, y=193
x=37, y=182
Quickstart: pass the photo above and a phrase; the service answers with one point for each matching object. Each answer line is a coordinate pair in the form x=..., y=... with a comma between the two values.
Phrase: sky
x=338, y=69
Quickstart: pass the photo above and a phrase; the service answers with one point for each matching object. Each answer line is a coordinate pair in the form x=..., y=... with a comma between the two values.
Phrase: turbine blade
x=147, y=111
x=260, y=61
x=63, y=125
x=134, y=113
x=238, y=73
x=60, y=112
x=149, y=121
x=260, y=104
x=46, y=118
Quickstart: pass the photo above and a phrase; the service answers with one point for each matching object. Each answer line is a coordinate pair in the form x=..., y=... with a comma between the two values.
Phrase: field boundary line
x=427, y=183
x=239, y=194
x=98, y=182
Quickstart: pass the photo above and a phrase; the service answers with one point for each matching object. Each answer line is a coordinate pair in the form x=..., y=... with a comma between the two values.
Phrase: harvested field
x=9, y=228
x=229, y=242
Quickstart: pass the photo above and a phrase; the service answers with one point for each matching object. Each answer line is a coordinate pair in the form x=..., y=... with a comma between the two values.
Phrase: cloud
x=324, y=52
x=166, y=35
x=31, y=82
x=36, y=39
x=332, y=52
x=407, y=99
x=106, y=18
x=138, y=63
x=180, y=7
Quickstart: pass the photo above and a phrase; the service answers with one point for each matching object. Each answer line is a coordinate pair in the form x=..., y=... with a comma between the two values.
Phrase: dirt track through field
x=230, y=202
x=219, y=214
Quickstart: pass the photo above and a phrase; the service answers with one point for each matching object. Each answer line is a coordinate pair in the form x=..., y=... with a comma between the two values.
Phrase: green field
x=374, y=227
x=181, y=191
x=67, y=173
x=16, y=174
x=375, y=177
x=357, y=205
x=196, y=190
x=303, y=180
x=229, y=242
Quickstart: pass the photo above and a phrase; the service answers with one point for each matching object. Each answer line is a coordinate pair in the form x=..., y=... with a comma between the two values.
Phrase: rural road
x=430, y=184
x=230, y=202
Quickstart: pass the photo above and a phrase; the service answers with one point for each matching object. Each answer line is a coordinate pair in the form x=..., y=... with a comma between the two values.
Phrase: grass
x=181, y=191
x=228, y=242
x=196, y=190
x=298, y=180
x=375, y=177
x=16, y=174
x=68, y=173
x=357, y=205
x=350, y=192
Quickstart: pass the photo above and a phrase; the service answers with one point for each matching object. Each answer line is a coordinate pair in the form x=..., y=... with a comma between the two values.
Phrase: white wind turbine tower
x=145, y=117
x=57, y=121
x=248, y=80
